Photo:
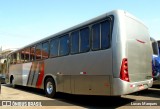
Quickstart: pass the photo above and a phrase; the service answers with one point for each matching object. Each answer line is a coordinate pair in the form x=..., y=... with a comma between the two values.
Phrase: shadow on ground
x=95, y=101
x=86, y=101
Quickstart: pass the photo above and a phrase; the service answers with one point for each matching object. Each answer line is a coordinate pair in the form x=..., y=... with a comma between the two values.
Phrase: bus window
x=27, y=54
x=54, y=47
x=18, y=57
x=75, y=42
x=64, y=45
x=32, y=53
x=11, y=59
x=22, y=56
x=84, y=40
x=45, y=50
x=38, y=51
x=14, y=58
x=105, y=35
x=101, y=35
x=96, y=37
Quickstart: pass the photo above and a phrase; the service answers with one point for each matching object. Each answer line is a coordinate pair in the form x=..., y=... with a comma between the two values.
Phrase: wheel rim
x=49, y=87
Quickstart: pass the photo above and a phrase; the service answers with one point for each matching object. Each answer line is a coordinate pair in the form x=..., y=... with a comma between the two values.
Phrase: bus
x=155, y=62
x=109, y=55
x=158, y=45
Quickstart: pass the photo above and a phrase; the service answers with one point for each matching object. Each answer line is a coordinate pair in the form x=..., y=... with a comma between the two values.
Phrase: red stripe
x=41, y=75
x=140, y=41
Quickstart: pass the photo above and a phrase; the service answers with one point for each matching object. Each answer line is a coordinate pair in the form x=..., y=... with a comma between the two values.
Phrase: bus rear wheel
x=50, y=88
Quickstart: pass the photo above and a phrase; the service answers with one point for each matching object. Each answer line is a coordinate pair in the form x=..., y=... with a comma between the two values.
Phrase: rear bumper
x=121, y=87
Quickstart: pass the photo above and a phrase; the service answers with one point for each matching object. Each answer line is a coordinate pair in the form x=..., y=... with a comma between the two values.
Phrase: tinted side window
x=18, y=57
x=101, y=35
x=105, y=32
x=38, y=51
x=45, y=50
x=84, y=40
x=96, y=37
x=27, y=54
x=11, y=58
x=75, y=42
x=54, y=45
x=64, y=45
x=32, y=53
x=14, y=58
x=22, y=56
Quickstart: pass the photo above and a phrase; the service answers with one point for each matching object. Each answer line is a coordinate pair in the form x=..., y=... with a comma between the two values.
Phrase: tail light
x=124, y=70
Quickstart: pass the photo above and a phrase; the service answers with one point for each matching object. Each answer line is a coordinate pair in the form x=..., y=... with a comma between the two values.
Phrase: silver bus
x=109, y=55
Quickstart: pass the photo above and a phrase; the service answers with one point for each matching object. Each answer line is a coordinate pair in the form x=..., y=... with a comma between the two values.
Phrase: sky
x=25, y=21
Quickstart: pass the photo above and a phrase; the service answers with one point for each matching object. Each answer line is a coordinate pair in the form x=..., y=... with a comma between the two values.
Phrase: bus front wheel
x=50, y=88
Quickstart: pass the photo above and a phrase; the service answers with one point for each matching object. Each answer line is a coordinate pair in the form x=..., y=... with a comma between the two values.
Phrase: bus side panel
x=92, y=85
x=60, y=68
x=16, y=71
x=87, y=73
x=25, y=73
x=34, y=74
x=101, y=85
x=82, y=84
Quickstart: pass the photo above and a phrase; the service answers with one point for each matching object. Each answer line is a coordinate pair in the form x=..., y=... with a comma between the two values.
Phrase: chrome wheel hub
x=49, y=87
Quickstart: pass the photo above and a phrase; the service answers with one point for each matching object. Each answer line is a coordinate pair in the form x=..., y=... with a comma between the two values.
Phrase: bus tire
x=50, y=88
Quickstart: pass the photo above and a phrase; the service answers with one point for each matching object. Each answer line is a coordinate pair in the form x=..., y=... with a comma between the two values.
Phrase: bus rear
x=135, y=68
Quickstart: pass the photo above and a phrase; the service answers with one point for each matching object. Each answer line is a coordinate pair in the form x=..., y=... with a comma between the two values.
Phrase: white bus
x=109, y=55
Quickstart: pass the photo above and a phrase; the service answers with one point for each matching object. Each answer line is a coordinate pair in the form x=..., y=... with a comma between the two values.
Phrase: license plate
x=141, y=87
